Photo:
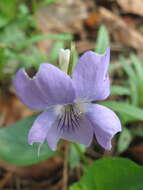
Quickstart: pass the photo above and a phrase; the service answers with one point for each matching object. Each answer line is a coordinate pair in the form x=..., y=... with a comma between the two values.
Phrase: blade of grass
x=35, y=39
x=103, y=41
x=119, y=90
x=55, y=52
x=133, y=82
x=125, y=108
x=139, y=74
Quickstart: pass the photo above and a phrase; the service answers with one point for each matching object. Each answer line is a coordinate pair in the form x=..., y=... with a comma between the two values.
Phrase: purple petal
x=50, y=86
x=39, y=130
x=105, y=124
x=90, y=76
x=83, y=133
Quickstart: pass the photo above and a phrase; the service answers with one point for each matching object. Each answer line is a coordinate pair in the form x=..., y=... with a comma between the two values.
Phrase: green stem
x=70, y=67
x=82, y=156
x=34, y=6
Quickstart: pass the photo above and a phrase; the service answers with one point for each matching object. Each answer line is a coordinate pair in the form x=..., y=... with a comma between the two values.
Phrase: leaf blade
x=14, y=148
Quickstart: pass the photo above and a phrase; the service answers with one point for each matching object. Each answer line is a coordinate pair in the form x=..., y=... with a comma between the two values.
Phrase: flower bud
x=64, y=59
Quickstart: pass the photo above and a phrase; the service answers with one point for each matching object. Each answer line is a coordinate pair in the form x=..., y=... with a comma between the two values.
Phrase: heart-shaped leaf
x=14, y=148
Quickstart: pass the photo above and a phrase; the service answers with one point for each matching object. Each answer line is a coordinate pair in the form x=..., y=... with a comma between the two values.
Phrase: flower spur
x=67, y=102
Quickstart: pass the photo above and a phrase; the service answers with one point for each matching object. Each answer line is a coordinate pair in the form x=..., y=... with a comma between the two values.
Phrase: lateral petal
x=41, y=126
x=105, y=124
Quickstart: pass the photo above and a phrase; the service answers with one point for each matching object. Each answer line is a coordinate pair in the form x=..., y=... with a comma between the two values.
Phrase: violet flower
x=69, y=113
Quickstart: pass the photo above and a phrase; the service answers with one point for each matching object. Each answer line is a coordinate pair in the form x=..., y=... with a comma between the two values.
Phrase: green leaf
x=111, y=174
x=14, y=148
x=2, y=61
x=31, y=59
x=46, y=2
x=9, y=8
x=3, y=20
x=133, y=82
x=8, y=39
x=76, y=186
x=119, y=90
x=134, y=92
x=103, y=41
x=128, y=68
x=124, y=108
x=137, y=65
x=124, y=140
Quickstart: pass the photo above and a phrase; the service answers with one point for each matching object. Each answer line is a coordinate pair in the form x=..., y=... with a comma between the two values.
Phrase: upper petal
x=90, y=76
x=105, y=124
x=50, y=86
x=81, y=133
x=40, y=127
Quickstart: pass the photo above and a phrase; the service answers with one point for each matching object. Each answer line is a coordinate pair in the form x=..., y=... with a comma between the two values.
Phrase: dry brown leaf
x=43, y=169
x=132, y=6
x=11, y=109
x=64, y=16
x=93, y=20
x=5, y=180
x=137, y=152
x=84, y=45
x=121, y=31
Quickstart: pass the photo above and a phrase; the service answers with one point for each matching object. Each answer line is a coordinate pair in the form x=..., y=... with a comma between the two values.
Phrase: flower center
x=69, y=116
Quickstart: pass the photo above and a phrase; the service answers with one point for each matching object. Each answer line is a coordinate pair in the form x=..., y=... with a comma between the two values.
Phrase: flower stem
x=81, y=154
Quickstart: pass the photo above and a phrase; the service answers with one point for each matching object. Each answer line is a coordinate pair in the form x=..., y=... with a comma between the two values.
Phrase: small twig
x=65, y=167
x=78, y=173
x=5, y=180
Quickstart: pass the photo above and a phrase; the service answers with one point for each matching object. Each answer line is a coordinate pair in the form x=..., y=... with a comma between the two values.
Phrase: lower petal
x=82, y=133
x=41, y=126
x=105, y=124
